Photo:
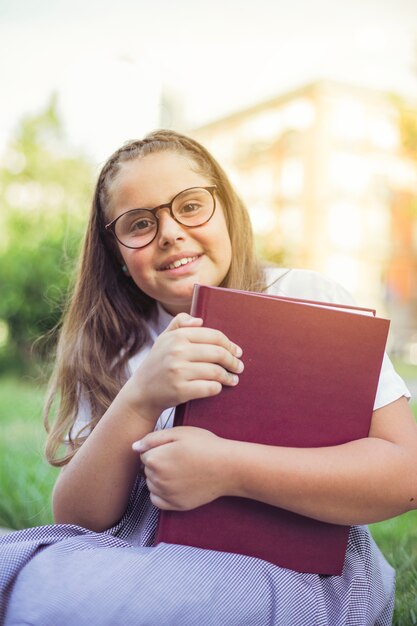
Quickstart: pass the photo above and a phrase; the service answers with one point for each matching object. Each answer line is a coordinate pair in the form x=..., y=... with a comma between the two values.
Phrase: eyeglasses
x=137, y=228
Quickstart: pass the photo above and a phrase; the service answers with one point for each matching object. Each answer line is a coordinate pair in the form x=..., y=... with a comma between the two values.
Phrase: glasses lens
x=193, y=207
x=136, y=228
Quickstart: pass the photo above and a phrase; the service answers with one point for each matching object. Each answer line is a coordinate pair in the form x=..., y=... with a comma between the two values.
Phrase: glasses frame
x=111, y=226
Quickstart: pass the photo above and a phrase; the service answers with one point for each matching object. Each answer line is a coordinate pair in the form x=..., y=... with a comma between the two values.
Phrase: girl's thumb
x=183, y=320
x=153, y=440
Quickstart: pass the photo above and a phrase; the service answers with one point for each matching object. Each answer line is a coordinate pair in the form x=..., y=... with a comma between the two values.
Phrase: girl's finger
x=211, y=372
x=160, y=503
x=207, y=353
x=182, y=320
x=200, y=389
x=211, y=336
x=157, y=498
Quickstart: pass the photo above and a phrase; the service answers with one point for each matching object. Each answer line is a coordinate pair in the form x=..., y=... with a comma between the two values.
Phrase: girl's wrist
x=137, y=404
x=231, y=468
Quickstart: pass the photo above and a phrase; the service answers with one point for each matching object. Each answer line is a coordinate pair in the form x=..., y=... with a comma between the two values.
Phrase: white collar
x=159, y=321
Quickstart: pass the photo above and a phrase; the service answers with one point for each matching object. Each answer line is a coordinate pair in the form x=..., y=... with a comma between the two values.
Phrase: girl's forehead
x=158, y=165
x=153, y=179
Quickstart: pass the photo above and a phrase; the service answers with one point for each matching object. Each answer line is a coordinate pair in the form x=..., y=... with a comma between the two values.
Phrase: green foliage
x=269, y=252
x=44, y=194
x=408, y=129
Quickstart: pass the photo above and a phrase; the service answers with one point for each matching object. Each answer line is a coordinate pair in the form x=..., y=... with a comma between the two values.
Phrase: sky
x=109, y=62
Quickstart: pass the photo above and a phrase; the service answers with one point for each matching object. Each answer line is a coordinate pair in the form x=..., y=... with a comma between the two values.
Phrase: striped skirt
x=64, y=575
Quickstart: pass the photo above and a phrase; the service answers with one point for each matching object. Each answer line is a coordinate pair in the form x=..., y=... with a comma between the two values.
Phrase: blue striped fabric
x=65, y=575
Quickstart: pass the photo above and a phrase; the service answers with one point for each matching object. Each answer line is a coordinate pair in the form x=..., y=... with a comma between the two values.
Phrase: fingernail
x=238, y=351
x=137, y=446
x=235, y=379
x=193, y=320
x=240, y=367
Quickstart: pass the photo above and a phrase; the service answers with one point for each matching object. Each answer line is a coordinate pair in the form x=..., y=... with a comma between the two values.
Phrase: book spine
x=198, y=308
x=198, y=303
x=180, y=414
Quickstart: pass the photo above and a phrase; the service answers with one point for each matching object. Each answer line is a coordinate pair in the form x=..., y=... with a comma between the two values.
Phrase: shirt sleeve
x=390, y=386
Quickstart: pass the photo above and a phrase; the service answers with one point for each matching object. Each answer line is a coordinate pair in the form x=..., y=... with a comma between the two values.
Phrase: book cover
x=310, y=379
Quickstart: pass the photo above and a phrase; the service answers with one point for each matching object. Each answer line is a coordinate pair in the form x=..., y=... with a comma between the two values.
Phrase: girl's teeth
x=180, y=262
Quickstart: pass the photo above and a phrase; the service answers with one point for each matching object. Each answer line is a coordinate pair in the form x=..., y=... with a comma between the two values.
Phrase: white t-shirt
x=292, y=283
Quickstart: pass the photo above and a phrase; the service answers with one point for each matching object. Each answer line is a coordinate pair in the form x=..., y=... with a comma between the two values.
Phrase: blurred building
x=330, y=187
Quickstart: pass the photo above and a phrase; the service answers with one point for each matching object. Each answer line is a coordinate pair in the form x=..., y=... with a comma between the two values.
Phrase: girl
x=164, y=217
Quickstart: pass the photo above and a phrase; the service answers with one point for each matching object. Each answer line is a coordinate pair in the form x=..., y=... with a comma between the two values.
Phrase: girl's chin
x=177, y=302
x=176, y=307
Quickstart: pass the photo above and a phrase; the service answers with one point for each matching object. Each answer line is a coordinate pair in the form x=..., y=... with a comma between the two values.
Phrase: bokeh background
x=310, y=106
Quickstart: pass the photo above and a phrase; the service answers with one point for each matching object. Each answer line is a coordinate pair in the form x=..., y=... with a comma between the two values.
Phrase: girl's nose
x=169, y=230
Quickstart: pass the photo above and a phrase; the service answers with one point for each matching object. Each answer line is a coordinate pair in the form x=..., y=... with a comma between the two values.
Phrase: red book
x=310, y=379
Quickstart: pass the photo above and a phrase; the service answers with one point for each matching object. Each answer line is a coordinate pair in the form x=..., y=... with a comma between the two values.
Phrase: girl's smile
x=179, y=262
x=168, y=268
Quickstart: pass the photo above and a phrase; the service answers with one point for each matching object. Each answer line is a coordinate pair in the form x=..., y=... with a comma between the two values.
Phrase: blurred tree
x=408, y=128
x=44, y=195
x=408, y=133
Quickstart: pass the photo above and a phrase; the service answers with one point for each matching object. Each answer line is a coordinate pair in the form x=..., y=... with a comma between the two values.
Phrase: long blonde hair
x=104, y=322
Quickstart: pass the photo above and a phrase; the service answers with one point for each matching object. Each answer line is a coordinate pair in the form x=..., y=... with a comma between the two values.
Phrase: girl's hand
x=184, y=467
x=187, y=361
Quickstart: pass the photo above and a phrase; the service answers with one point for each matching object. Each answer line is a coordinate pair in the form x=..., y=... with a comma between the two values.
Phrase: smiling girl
x=165, y=217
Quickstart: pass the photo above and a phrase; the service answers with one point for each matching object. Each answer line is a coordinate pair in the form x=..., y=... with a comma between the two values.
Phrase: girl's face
x=148, y=182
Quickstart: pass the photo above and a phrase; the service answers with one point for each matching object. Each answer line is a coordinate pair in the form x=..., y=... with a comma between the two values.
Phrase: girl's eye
x=141, y=224
x=189, y=208
x=137, y=226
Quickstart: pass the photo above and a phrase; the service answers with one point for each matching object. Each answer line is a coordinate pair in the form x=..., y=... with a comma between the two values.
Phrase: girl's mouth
x=179, y=263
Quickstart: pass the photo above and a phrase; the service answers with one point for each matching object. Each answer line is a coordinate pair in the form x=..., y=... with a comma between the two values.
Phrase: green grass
x=26, y=482
x=397, y=538
x=26, y=479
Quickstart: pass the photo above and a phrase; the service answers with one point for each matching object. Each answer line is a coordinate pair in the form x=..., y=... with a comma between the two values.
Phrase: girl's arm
x=187, y=361
x=360, y=482
x=93, y=489
x=354, y=483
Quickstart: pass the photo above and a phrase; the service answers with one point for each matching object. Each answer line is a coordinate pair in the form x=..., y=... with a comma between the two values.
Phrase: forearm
x=358, y=482
x=186, y=362
x=93, y=490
